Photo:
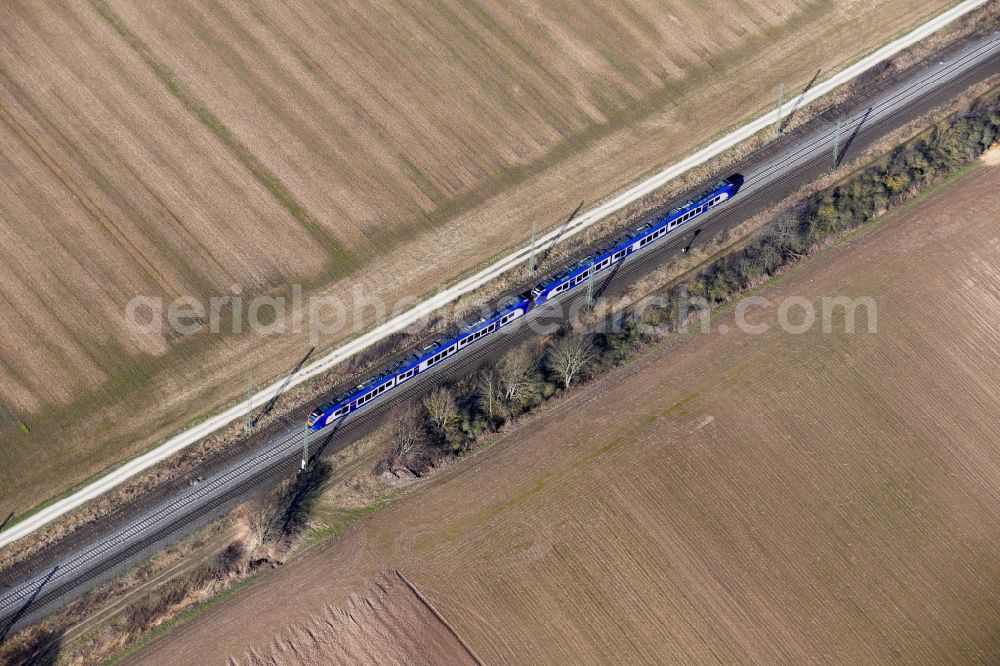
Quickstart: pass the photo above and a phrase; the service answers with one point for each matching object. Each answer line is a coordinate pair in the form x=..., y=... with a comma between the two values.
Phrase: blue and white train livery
x=518, y=306
x=344, y=404
x=648, y=233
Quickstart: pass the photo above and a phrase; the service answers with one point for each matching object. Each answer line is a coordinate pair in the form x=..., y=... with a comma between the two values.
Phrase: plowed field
x=771, y=498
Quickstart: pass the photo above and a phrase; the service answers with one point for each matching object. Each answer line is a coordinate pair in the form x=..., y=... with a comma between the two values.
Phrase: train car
x=352, y=400
x=519, y=306
x=602, y=260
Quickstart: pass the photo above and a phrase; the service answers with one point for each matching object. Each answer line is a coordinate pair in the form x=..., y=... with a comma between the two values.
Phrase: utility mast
x=305, y=449
x=590, y=287
x=777, y=112
x=532, y=264
x=250, y=403
x=836, y=145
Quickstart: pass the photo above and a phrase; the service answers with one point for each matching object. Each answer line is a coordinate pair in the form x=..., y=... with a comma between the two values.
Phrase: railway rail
x=32, y=589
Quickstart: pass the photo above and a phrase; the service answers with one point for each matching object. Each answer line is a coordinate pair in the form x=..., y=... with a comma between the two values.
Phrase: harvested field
x=389, y=625
x=772, y=498
x=166, y=149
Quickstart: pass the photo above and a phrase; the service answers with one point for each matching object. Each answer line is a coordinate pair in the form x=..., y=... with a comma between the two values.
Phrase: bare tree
x=569, y=356
x=442, y=412
x=770, y=257
x=406, y=432
x=517, y=375
x=264, y=520
x=786, y=232
x=490, y=390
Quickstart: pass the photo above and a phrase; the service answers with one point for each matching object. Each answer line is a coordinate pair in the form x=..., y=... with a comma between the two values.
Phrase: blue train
x=516, y=307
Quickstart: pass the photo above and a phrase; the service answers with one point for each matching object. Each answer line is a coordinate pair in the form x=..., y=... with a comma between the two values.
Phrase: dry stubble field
x=389, y=625
x=167, y=149
x=814, y=498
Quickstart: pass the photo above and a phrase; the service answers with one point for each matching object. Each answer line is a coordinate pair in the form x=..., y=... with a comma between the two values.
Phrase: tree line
x=453, y=417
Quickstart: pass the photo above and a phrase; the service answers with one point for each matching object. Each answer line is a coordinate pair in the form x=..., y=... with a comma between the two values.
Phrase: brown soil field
x=770, y=498
x=391, y=624
x=166, y=149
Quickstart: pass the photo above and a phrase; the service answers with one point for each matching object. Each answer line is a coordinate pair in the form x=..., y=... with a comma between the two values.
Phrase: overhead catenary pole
x=305, y=448
x=250, y=403
x=532, y=264
x=590, y=287
x=836, y=144
x=777, y=112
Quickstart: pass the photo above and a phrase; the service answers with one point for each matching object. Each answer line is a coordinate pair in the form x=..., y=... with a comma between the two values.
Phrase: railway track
x=32, y=589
